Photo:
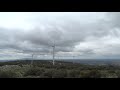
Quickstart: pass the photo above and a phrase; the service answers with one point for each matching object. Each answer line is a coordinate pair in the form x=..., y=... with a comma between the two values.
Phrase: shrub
x=60, y=74
x=11, y=71
x=10, y=74
x=48, y=73
x=73, y=73
x=91, y=74
x=34, y=71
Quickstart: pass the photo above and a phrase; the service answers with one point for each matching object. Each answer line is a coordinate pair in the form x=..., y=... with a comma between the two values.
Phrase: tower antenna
x=32, y=59
x=53, y=52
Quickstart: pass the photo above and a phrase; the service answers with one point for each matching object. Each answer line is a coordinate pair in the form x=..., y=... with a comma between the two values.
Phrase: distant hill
x=81, y=61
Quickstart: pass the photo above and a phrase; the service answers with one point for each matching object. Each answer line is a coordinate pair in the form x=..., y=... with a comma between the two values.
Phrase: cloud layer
x=73, y=35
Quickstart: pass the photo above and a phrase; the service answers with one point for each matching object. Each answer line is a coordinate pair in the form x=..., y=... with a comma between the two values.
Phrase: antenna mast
x=53, y=53
x=32, y=60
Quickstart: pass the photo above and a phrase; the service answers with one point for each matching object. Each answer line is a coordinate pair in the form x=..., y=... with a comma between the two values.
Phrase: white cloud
x=105, y=46
x=88, y=34
x=28, y=20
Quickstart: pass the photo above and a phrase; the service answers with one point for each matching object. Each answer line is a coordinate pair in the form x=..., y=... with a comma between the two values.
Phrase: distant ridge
x=81, y=61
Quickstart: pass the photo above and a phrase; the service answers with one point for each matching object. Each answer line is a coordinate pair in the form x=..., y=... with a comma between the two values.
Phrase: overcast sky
x=82, y=34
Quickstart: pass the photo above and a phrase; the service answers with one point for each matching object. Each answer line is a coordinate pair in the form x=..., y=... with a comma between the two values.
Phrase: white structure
x=53, y=53
x=32, y=59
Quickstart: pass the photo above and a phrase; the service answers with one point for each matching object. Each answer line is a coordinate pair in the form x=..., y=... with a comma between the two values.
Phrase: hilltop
x=61, y=69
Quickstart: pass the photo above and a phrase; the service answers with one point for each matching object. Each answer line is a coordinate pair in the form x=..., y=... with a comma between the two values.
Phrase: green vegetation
x=45, y=69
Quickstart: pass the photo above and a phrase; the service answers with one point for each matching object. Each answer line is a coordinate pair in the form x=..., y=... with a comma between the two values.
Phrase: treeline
x=45, y=69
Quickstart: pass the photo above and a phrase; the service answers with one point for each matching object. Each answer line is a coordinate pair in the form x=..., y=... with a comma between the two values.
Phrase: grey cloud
x=67, y=33
x=114, y=19
x=66, y=37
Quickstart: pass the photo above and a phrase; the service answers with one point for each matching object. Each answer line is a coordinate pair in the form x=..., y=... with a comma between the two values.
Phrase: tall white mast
x=32, y=60
x=53, y=53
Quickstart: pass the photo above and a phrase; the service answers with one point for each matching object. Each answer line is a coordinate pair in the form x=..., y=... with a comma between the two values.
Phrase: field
x=61, y=69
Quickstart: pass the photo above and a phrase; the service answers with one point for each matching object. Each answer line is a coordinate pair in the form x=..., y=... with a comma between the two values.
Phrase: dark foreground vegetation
x=45, y=69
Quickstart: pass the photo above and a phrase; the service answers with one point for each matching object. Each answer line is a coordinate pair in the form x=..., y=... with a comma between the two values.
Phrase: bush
x=11, y=71
x=91, y=74
x=34, y=71
x=73, y=73
x=10, y=74
x=60, y=74
x=118, y=73
x=49, y=73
